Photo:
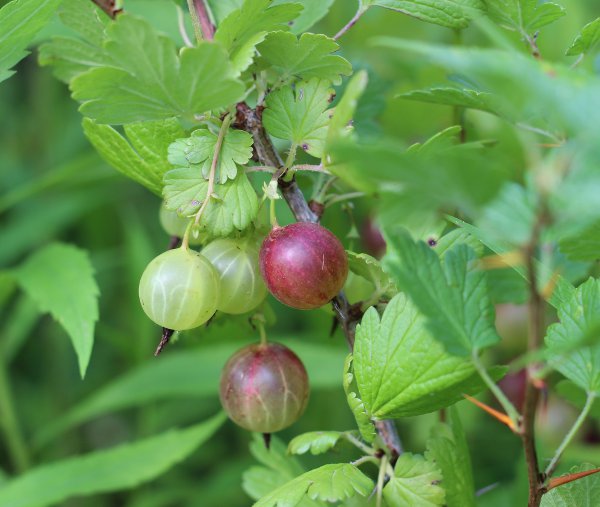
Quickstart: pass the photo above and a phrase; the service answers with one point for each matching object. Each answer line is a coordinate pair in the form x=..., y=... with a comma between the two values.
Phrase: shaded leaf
x=586, y=40
x=317, y=442
x=370, y=269
x=357, y=406
x=583, y=492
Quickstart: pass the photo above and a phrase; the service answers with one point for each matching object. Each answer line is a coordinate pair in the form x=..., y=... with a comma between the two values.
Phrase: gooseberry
x=303, y=264
x=264, y=387
x=179, y=289
x=242, y=288
x=175, y=225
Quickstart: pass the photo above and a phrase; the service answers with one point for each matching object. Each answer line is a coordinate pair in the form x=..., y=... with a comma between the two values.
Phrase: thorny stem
x=203, y=27
x=250, y=120
x=213, y=167
x=361, y=10
x=589, y=402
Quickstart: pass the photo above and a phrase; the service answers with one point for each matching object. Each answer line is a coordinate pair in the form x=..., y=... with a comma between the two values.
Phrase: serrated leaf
x=300, y=114
x=447, y=448
x=583, y=492
x=116, y=469
x=317, y=442
x=312, y=12
x=357, y=406
x=524, y=16
x=586, y=40
x=584, y=245
x=70, y=56
x=331, y=483
x=233, y=205
x=369, y=268
x=20, y=21
x=453, y=295
x=457, y=237
x=415, y=483
x=305, y=57
x=449, y=13
x=244, y=28
x=52, y=276
x=144, y=158
x=577, y=317
x=401, y=370
x=198, y=150
x=149, y=80
x=461, y=97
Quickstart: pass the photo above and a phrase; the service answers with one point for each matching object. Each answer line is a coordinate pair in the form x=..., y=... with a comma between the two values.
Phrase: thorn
x=267, y=440
x=503, y=418
x=166, y=336
x=565, y=479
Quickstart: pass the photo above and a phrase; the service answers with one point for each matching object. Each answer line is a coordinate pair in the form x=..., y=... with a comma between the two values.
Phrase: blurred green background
x=53, y=187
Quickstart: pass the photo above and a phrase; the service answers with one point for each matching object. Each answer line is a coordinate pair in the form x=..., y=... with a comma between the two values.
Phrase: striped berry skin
x=264, y=387
x=179, y=289
x=242, y=288
x=303, y=264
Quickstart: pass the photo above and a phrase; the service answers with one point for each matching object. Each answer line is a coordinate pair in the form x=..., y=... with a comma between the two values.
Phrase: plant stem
x=13, y=437
x=357, y=443
x=508, y=407
x=589, y=402
x=343, y=197
x=361, y=10
x=203, y=27
x=182, y=30
x=380, y=479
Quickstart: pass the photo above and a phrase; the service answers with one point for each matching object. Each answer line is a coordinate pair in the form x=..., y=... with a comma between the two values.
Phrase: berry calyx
x=264, y=387
x=303, y=264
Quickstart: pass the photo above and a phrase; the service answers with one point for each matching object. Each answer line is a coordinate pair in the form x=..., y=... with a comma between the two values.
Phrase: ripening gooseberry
x=303, y=264
x=179, y=289
x=242, y=288
x=264, y=387
x=175, y=225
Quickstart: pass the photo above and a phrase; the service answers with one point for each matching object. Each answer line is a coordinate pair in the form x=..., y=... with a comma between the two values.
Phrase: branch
x=201, y=20
x=109, y=7
x=361, y=10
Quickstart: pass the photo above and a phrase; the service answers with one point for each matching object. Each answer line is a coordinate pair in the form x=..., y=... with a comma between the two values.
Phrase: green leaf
x=244, y=28
x=580, y=493
x=317, y=442
x=578, y=317
x=331, y=483
x=233, y=205
x=60, y=279
x=370, y=269
x=447, y=448
x=71, y=56
x=198, y=150
x=116, y=469
x=300, y=114
x=414, y=484
x=313, y=11
x=144, y=157
x=457, y=237
x=149, y=80
x=452, y=295
x=189, y=374
x=401, y=370
x=357, y=406
x=583, y=246
x=20, y=21
x=449, y=13
x=524, y=16
x=307, y=57
x=586, y=40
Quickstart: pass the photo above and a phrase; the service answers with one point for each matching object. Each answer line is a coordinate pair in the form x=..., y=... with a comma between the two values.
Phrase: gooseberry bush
x=414, y=193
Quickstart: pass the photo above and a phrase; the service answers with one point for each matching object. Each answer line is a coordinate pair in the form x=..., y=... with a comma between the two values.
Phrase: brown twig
x=208, y=30
x=347, y=315
x=108, y=6
x=166, y=336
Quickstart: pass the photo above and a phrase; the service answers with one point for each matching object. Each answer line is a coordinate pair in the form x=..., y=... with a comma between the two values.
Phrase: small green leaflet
x=149, y=80
x=583, y=492
x=452, y=295
x=120, y=468
x=70, y=56
x=578, y=316
x=331, y=483
x=415, y=483
x=300, y=114
x=60, y=279
x=447, y=448
x=143, y=155
x=524, y=16
x=586, y=40
x=449, y=13
x=401, y=370
x=317, y=442
x=233, y=205
x=369, y=268
x=20, y=21
x=198, y=150
x=362, y=417
x=244, y=28
x=307, y=57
